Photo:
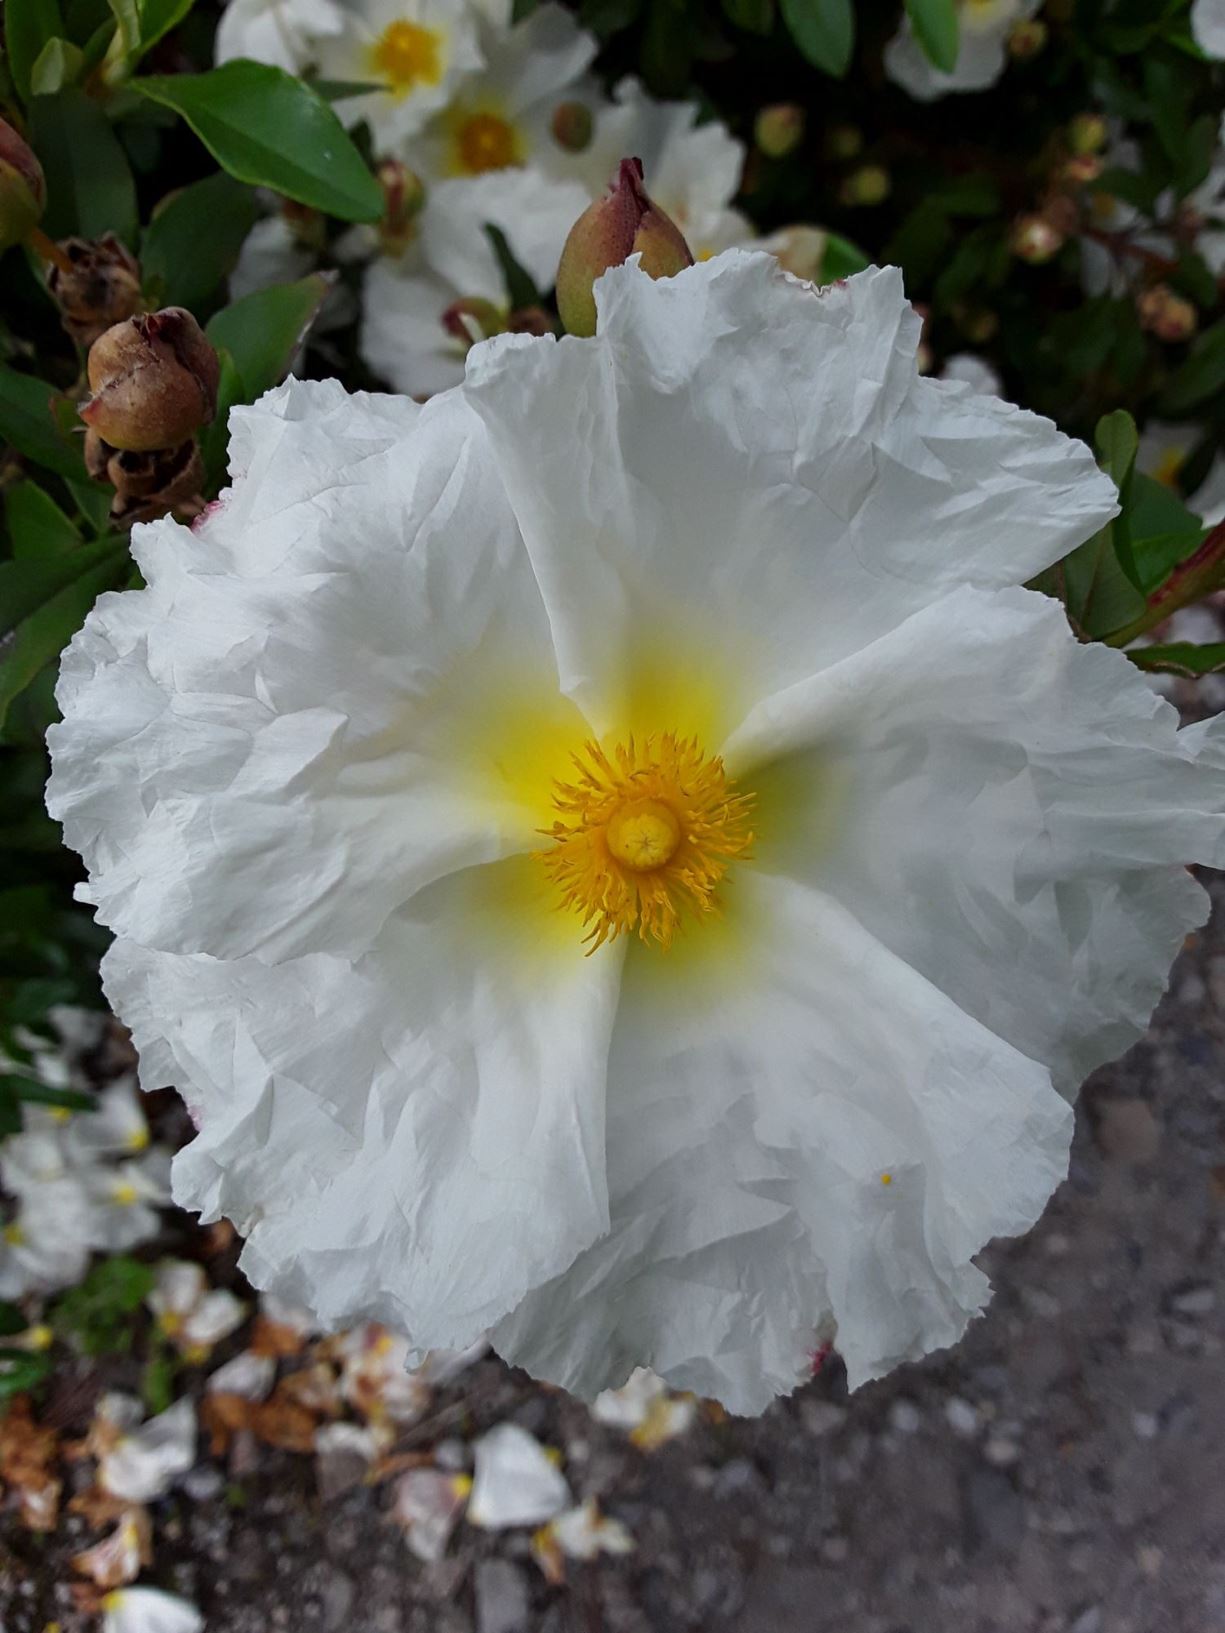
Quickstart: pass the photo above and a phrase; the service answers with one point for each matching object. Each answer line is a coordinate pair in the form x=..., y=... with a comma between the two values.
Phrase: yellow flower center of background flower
x=1169, y=465
x=643, y=836
x=13, y=1234
x=407, y=55
x=486, y=142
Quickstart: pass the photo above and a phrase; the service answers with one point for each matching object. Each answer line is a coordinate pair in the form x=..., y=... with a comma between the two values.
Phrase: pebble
x=1089, y=1621
x=1001, y=1453
x=1126, y=1130
x=1199, y=1299
x=905, y=1417
x=501, y=1597
x=822, y=1417
x=1146, y=1424
x=962, y=1417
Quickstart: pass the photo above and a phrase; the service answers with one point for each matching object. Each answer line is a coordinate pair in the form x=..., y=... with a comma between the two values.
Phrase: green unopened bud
x=1087, y=133
x=844, y=142
x=154, y=382
x=404, y=199
x=779, y=129
x=1027, y=39
x=623, y=223
x=868, y=185
x=572, y=126
x=23, y=190
x=471, y=319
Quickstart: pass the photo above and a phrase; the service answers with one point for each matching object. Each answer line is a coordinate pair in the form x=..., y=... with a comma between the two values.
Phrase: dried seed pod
x=102, y=287
x=154, y=381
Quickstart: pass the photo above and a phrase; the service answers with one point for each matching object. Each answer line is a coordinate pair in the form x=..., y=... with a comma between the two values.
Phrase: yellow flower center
x=643, y=836
x=125, y=1193
x=407, y=55
x=1169, y=465
x=138, y=1139
x=13, y=1234
x=486, y=142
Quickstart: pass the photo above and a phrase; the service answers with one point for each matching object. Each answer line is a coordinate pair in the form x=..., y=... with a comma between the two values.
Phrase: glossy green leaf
x=824, y=30
x=59, y=64
x=36, y=524
x=1116, y=441
x=754, y=16
x=27, y=585
x=127, y=21
x=29, y=25
x=192, y=243
x=215, y=437
x=27, y=421
x=20, y=1370
x=272, y=130
x=33, y=1092
x=158, y=17
x=1181, y=658
x=937, y=30
x=841, y=258
x=1201, y=374
x=262, y=331
x=89, y=181
x=40, y=638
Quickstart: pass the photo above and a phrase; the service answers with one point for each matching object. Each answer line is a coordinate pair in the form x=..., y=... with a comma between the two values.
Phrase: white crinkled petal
x=416, y=1139
x=1007, y=809
x=146, y=1461
x=751, y=470
x=266, y=761
x=755, y=1103
x=515, y=1481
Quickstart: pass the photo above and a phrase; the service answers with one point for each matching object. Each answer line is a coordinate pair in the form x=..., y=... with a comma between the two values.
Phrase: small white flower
x=644, y=1407
x=125, y=1200
x=982, y=52
x=375, y=1376
x=284, y=33
x=365, y=1441
x=500, y=117
x=413, y=50
x=245, y=1374
x=582, y=1533
x=45, y=1245
x=973, y=371
x=193, y=1315
x=865, y=863
x=1208, y=27
x=516, y=1482
x=116, y=1127
x=271, y=253
x=141, y=1463
x=428, y=1503
x=149, y=1610
x=118, y=1558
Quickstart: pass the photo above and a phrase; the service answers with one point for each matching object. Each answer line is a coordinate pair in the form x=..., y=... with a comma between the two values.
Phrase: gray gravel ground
x=1062, y=1469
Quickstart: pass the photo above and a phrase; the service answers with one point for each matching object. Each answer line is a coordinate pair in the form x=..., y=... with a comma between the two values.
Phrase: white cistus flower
x=982, y=54
x=149, y=1610
x=1208, y=27
x=283, y=33
x=614, y=855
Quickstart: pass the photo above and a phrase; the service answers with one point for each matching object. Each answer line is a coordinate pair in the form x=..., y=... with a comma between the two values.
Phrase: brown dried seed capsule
x=101, y=289
x=148, y=485
x=154, y=381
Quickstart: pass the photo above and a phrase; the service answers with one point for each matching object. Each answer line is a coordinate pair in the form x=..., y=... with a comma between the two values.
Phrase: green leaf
x=270, y=129
x=841, y=258
x=59, y=64
x=35, y=1093
x=20, y=1370
x=40, y=638
x=27, y=421
x=1201, y=375
x=89, y=182
x=937, y=30
x=28, y=26
x=215, y=436
x=27, y=585
x=1181, y=658
x=262, y=331
x=193, y=241
x=1116, y=441
x=127, y=20
x=754, y=16
x=824, y=30
x=520, y=290
x=97, y=1314
x=36, y=524
x=158, y=17
x=339, y=90
x=11, y=1320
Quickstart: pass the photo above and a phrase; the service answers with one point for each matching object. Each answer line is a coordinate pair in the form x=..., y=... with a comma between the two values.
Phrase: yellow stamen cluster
x=486, y=142
x=644, y=835
x=406, y=55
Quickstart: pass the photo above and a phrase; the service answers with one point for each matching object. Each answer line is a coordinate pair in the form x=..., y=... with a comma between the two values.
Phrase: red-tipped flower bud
x=1035, y=239
x=572, y=126
x=404, y=199
x=622, y=223
x=98, y=288
x=471, y=319
x=779, y=130
x=23, y=190
x=154, y=382
x=1166, y=314
x=1028, y=38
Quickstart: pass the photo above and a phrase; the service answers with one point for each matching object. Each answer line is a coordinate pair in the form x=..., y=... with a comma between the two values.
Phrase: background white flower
x=1208, y=26
x=737, y=513
x=982, y=53
x=149, y=1610
x=516, y=1482
x=284, y=33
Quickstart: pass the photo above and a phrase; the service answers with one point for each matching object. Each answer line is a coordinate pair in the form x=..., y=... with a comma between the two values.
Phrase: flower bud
x=1034, y=239
x=868, y=185
x=154, y=382
x=1169, y=316
x=23, y=190
x=800, y=250
x=622, y=223
x=101, y=286
x=1081, y=169
x=979, y=325
x=572, y=126
x=1027, y=39
x=1087, y=133
x=472, y=319
x=844, y=142
x=530, y=320
x=779, y=130
x=403, y=201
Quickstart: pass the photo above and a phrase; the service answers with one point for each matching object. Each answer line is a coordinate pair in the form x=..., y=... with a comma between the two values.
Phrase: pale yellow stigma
x=406, y=55
x=644, y=836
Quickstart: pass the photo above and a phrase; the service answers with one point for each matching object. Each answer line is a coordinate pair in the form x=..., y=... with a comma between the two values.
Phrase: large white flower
x=501, y=116
x=410, y=332
x=284, y=33
x=640, y=1089
x=414, y=50
x=982, y=53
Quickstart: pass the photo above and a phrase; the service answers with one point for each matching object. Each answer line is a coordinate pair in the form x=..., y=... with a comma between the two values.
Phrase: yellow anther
x=406, y=55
